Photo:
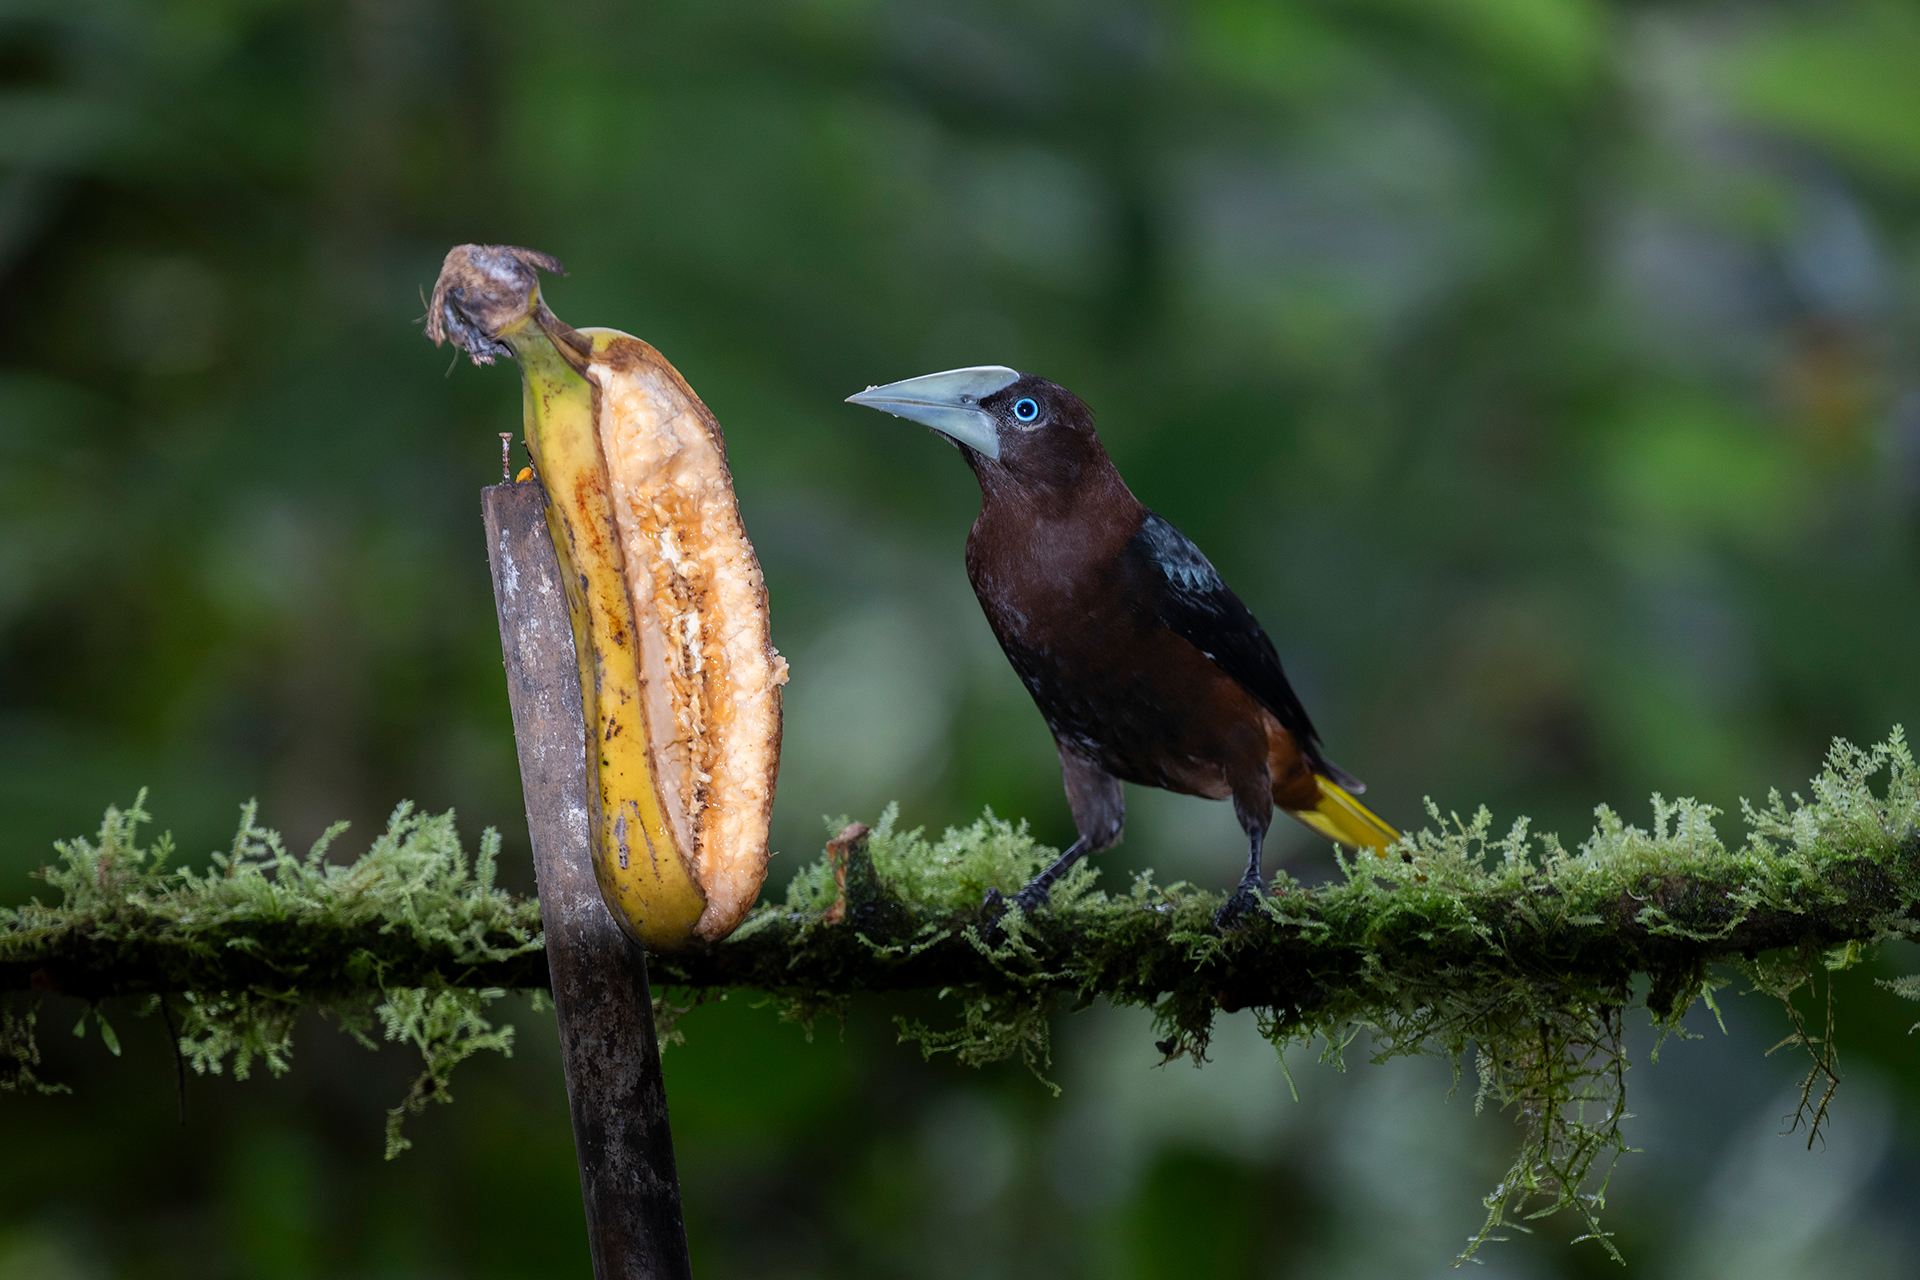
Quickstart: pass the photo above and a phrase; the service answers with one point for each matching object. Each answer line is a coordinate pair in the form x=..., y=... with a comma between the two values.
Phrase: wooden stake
x=600, y=992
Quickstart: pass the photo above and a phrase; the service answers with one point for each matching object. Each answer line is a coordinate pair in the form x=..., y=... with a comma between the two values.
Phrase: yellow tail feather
x=1344, y=820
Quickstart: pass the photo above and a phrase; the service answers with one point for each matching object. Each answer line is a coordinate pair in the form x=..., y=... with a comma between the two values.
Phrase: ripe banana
x=679, y=678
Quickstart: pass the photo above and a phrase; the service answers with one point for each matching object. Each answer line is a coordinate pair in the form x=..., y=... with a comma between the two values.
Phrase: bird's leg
x=1099, y=810
x=1252, y=879
x=1254, y=820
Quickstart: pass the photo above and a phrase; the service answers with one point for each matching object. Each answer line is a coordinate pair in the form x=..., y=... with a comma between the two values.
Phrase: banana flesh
x=679, y=676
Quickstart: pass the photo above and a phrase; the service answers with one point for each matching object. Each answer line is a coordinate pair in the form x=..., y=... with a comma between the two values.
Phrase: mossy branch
x=1510, y=945
x=412, y=911
x=413, y=936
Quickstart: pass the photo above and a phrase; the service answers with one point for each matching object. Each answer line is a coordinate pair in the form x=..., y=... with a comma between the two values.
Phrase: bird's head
x=1011, y=426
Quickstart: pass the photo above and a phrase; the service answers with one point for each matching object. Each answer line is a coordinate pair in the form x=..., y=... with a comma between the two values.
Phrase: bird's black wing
x=1196, y=605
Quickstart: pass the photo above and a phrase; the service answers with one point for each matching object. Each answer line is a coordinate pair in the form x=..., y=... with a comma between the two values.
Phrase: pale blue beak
x=948, y=402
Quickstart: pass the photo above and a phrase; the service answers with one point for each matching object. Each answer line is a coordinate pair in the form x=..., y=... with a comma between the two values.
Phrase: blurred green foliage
x=1541, y=372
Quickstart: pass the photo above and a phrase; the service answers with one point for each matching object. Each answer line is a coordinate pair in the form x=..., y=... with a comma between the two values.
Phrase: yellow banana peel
x=679, y=678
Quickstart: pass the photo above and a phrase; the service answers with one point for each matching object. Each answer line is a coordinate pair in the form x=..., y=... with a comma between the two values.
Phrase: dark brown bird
x=1147, y=668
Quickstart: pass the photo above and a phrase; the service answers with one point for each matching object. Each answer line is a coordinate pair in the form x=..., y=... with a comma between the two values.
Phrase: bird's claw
x=993, y=908
x=1245, y=902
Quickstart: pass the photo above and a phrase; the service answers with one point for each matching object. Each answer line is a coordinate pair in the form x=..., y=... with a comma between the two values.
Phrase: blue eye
x=1026, y=409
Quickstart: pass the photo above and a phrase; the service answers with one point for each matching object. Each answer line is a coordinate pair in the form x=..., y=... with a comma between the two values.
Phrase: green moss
x=1506, y=950
x=238, y=952
x=20, y=1053
x=1503, y=951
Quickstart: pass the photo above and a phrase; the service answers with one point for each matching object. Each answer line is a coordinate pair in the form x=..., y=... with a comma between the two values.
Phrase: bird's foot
x=1244, y=903
x=994, y=907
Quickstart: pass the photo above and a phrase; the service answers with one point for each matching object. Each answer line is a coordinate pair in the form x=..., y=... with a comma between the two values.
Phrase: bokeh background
x=1542, y=372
